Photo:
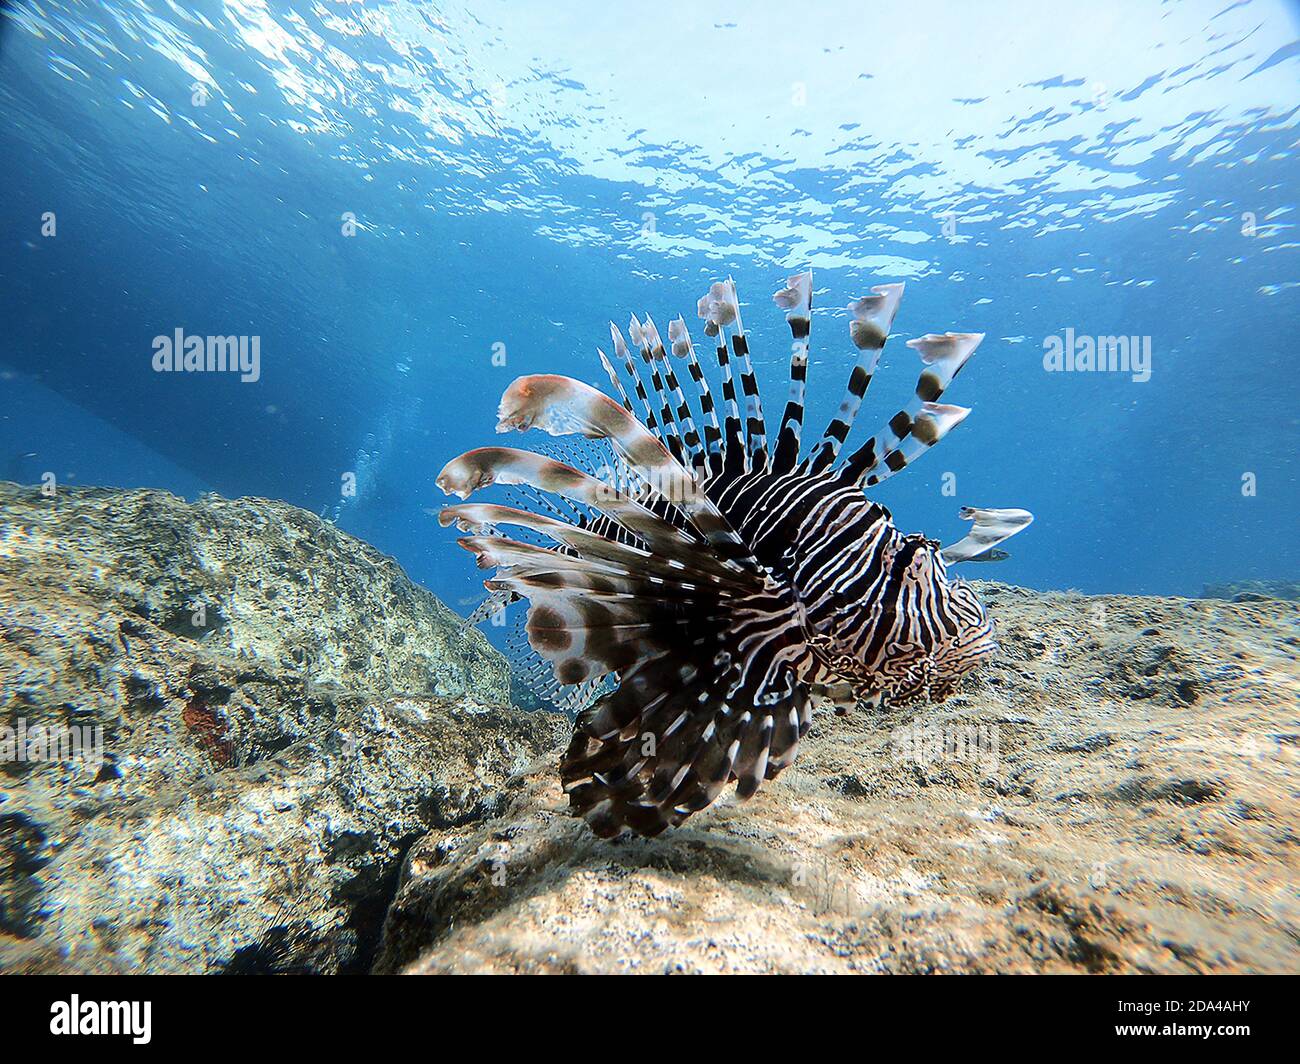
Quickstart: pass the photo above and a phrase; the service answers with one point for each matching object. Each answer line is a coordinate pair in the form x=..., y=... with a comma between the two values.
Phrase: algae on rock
x=282, y=711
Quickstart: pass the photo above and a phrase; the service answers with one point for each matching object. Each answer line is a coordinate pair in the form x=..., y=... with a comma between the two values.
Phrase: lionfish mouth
x=692, y=593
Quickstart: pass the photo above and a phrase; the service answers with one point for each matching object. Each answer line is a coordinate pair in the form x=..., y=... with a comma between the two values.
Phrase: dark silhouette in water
x=20, y=466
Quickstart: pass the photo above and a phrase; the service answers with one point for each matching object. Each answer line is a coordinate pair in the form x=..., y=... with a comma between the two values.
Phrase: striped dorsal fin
x=669, y=434
x=755, y=426
x=931, y=423
x=873, y=317
x=917, y=427
x=682, y=347
x=796, y=301
x=621, y=351
x=613, y=379
x=691, y=448
x=718, y=311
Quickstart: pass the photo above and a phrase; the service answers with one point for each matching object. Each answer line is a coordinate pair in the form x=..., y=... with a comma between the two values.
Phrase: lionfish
x=703, y=593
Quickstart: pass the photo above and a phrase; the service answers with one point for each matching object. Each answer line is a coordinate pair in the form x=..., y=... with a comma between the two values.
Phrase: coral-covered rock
x=262, y=762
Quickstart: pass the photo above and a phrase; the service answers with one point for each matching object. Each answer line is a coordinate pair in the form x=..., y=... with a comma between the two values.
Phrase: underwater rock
x=1254, y=590
x=266, y=758
x=1114, y=793
x=253, y=578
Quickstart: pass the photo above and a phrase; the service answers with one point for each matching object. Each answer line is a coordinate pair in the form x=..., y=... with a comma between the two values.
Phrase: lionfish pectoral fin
x=990, y=555
x=494, y=603
x=991, y=528
x=561, y=405
x=710, y=707
x=476, y=469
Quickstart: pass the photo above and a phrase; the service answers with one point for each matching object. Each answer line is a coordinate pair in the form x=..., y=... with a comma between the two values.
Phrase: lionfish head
x=937, y=633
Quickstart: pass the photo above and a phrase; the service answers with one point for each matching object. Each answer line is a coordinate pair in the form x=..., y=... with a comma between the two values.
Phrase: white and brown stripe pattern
x=707, y=606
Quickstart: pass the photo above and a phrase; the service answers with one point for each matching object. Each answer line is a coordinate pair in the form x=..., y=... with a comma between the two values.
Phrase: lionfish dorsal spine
x=873, y=317
x=921, y=424
x=755, y=426
x=682, y=347
x=644, y=338
x=796, y=300
x=638, y=385
x=930, y=424
x=614, y=380
x=691, y=445
x=718, y=311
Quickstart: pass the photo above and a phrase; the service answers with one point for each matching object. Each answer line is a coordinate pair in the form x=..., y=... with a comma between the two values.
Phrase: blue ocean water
x=409, y=204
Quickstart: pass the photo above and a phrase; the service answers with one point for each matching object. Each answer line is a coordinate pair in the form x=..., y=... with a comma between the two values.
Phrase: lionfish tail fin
x=991, y=528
